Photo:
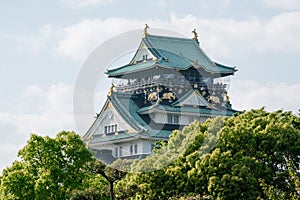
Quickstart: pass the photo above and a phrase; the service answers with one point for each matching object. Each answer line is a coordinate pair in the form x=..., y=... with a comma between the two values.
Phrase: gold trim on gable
x=108, y=107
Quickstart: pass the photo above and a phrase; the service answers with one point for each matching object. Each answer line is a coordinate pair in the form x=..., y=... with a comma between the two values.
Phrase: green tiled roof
x=126, y=105
x=159, y=133
x=185, y=48
x=127, y=108
x=175, y=53
x=131, y=68
x=111, y=137
x=131, y=108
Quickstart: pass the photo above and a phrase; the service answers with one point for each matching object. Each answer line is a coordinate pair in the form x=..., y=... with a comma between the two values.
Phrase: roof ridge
x=171, y=37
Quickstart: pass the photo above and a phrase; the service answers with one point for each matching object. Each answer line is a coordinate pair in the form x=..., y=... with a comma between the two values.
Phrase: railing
x=167, y=83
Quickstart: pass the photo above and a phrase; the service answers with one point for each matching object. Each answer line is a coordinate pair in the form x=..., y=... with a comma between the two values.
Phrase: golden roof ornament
x=111, y=90
x=146, y=30
x=195, y=36
x=227, y=99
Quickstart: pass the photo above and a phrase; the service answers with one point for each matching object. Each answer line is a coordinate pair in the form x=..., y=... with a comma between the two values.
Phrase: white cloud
x=221, y=36
x=35, y=42
x=249, y=94
x=85, y=3
x=78, y=40
x=49, y=110
x=45, y=112
x=215, y=5
x=8, y=154
x=227, y=37
x=283, y=4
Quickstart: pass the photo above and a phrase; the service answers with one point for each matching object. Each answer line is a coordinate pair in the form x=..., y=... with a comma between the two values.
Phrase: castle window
x=135, y=148
x=145, y=57
x=176, y=119
x=120, y=151
x=116, y=152
x=131, y=149
x=173, y=119
x=110, y=129
x=170, y=119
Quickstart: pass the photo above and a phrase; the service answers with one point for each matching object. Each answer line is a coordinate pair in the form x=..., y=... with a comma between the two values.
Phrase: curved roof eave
x=172, y=67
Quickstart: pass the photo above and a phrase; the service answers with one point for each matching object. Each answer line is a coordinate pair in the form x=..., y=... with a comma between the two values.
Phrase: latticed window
x=176, y=119
x=135, y=148
x=120, y=151
x=170, y=118
x=131, y=149
x=116, y=152
x=173, y=119
x=110, y=128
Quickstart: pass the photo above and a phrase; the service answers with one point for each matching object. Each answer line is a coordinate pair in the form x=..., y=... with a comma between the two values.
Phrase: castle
x=169, y=83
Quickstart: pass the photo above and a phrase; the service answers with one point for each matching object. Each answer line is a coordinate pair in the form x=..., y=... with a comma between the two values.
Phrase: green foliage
x=17, y=182
x=49, y=168
x=88, y=194
x=252, y=155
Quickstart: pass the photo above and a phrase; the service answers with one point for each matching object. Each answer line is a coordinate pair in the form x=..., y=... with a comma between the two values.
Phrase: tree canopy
x=251, y=155
x=248, y=156
x=49, y=168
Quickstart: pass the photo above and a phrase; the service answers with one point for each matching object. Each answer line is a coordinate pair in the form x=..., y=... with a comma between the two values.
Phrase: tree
x=110, y=173
x=17, y=182
x=49, y=168
x=87, y=194
x=94, y=187
x=251, y=155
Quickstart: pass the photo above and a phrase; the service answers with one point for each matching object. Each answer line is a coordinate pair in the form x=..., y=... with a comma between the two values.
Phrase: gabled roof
x=174, y=53
x=126, y=105
x=133, y=111
x=192, y=98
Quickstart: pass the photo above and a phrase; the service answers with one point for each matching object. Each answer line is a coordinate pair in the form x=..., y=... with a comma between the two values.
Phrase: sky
x=43, y=45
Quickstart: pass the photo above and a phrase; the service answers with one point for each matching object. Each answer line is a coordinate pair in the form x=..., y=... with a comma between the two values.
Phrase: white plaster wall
x=184, y=120
x=144, y=147
x=126, y=148
x=160, y=118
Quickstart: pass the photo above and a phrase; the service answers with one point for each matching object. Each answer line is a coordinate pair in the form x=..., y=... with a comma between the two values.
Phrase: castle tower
x=169, y=83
